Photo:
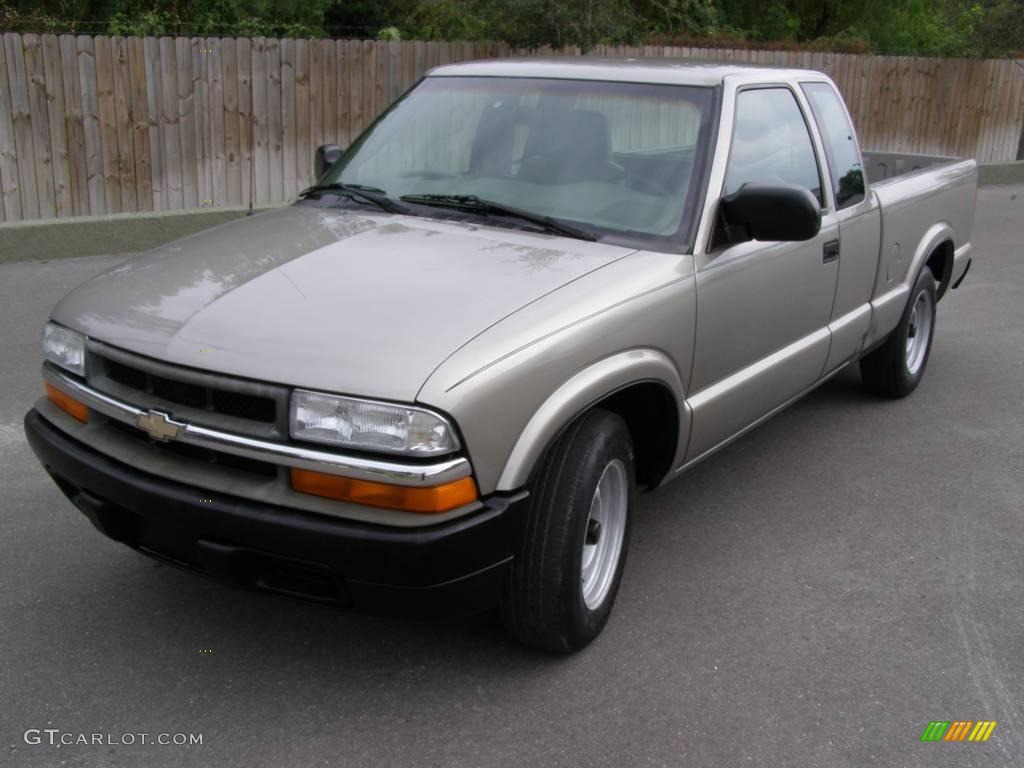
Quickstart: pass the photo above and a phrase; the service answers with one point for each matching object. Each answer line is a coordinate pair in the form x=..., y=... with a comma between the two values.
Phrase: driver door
x=762, y=308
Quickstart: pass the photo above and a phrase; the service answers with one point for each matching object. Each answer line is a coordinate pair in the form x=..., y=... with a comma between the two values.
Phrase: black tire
x=544, y=606
x=885, y=371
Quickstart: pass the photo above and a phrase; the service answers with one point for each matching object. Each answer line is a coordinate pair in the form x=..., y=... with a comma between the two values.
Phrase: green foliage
x=931, y=27
x=996, y=29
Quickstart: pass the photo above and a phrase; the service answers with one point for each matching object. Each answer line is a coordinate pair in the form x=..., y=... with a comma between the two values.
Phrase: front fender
x=580, y=392
x=509, y=388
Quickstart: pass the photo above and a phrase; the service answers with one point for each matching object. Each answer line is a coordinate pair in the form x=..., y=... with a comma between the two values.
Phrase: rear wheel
x=896, y=368
x=567, y=573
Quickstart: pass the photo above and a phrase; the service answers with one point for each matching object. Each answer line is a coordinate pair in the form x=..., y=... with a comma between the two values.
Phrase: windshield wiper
x=359, y=192
x=477, y=205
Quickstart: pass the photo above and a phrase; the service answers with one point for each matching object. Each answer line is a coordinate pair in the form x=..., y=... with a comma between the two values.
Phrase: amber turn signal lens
x=67, y=403
x=425, y=501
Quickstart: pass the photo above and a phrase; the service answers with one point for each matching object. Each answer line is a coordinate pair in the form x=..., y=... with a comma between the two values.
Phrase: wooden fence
x=95, y=125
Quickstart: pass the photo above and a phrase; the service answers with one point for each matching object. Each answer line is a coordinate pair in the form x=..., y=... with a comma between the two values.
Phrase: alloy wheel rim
x=605, y=532
x=919, y=331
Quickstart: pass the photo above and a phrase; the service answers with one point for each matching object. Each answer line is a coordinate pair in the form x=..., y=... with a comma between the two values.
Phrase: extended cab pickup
x=528, y=289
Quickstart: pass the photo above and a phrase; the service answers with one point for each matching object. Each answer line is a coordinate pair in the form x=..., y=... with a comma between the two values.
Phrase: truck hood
x=339, y=300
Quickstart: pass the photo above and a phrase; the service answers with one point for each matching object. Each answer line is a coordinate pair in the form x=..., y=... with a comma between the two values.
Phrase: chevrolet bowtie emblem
x=159, y=425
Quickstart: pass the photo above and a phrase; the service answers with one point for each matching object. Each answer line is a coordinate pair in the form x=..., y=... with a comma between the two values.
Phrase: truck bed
x=881, y=166
x=926, y=204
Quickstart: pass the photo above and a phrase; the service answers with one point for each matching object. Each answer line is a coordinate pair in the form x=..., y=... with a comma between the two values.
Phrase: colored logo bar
x=959, y=730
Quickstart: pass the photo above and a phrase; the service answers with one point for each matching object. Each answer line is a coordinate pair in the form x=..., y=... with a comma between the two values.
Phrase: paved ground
x=812, y=596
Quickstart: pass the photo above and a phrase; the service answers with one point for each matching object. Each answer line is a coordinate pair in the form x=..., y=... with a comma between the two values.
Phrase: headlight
x=369, y=426
x=64, y=347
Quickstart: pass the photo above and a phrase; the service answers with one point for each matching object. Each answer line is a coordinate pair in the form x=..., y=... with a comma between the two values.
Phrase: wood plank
x=153, y=61
x=996, y=133
x=357, y=74
x=937, y=124
x=316, y=98
x=1015, y=98
x=216, y=142
x=74, y=130
x=407, y=58
x=232, y=122
x=329, y=89
x=894, y=105
x=53, y=75
x=260, y=122
x=862, y=107
x=1005, y=132
x=289, y=139
x=857, y=76
x=91, y=125
x=123, y=124
x=274, y=137
x=170, y=121
x=929, y=105
x=992, y=127
x=879, y=101
x=393, y=69
x=107, y=123
x=420, y=59
x=434, y=55
x=200, y=55
x=246, y=121
x=965, y=141
x=196, y=95
x=21, y=121
x=140, y=124
x=344, y=90
x=380, y=85
x=40, y=121
x=185, y=105
x=369, y=66
x=303, y=161
x=915, y=96
x=10, y=192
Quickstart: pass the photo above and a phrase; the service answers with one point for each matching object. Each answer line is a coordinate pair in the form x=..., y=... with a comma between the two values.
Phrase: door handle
x=830, y=251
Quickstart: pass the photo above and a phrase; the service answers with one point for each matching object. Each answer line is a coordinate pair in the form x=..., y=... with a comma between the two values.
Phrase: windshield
x=620, y=160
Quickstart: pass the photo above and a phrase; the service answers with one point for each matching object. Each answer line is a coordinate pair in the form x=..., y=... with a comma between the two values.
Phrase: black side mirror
x=324, y=157
x=770, y=212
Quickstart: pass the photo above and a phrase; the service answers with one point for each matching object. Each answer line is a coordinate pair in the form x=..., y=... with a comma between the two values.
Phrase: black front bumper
x=454, y=567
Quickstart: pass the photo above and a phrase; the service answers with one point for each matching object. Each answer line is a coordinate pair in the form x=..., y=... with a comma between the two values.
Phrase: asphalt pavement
x=814, y=595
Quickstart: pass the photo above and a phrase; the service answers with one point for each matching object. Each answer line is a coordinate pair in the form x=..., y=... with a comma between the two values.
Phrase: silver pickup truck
x=527, y=290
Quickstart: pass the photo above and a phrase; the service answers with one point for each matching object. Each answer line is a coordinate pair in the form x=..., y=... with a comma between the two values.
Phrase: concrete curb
x=105, y=235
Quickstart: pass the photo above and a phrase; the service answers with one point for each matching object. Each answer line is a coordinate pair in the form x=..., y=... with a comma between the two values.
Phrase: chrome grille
x=197, y=453
x=238, y=405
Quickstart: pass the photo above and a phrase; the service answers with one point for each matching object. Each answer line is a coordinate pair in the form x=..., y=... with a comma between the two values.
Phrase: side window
x=771, y=142
x=840, y=146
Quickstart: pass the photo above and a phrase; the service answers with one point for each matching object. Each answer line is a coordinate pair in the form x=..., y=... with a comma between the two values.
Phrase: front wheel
x=565, y=578
x=896, y=368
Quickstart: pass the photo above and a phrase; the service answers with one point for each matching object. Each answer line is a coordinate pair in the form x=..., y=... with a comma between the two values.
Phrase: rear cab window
x=841, y=149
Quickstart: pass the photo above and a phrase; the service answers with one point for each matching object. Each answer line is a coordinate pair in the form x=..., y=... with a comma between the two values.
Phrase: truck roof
x=662, y=71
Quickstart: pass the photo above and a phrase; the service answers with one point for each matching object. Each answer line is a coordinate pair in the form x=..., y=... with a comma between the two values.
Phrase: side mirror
x=324, y=157
x=771, y=212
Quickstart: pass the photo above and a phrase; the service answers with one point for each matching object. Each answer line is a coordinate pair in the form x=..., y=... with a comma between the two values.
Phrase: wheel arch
x=935, y=250
x=641, y=385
